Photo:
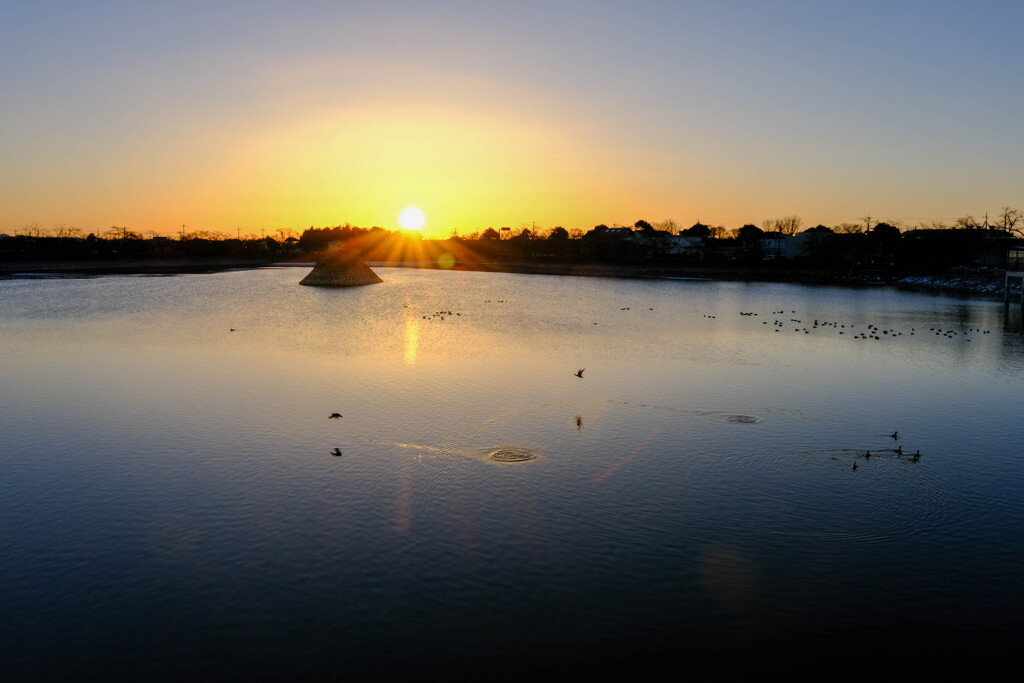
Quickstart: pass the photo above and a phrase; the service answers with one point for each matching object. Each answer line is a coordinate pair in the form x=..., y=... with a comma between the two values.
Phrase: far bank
x=976, y=282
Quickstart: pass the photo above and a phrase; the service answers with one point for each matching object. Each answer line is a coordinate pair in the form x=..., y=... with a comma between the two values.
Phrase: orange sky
x=499, y=115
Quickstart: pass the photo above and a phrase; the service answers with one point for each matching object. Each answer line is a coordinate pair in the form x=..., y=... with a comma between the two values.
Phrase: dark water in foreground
x=169, y=507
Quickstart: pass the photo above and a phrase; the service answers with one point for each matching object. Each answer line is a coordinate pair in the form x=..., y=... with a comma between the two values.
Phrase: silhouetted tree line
x=131, y=245
x=846, y=249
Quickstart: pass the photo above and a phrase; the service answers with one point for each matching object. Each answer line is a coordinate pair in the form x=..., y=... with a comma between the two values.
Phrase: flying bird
x=579, y=373
x=334, y=416
x=336, y=452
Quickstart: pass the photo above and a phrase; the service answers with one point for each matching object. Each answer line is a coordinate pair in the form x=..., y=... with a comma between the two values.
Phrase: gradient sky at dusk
x=257, y=115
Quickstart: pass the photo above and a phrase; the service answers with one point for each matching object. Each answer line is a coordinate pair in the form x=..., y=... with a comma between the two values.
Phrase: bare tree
x=211, y=235
x=669, y=226
x=33, y=229
x=544, y=233
x=967, y=223
x=787, y=225
x=65, y=230
x=1010, y=218
x=791, y=224
x=120, y=232
x=849, y=228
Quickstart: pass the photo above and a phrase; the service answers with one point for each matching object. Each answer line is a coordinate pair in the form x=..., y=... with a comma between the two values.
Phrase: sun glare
x=412, y=218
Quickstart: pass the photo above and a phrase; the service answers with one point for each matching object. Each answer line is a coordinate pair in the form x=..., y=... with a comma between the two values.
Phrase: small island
x=341, y=269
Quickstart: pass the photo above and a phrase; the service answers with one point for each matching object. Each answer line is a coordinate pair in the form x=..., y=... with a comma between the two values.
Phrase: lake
x=170, y=505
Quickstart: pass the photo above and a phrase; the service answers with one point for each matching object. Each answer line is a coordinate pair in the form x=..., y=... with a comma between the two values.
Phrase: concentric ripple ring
x=512, y=455
x=740, y=419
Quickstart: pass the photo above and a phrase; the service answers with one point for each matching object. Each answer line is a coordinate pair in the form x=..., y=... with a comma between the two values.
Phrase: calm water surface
x=170, y=508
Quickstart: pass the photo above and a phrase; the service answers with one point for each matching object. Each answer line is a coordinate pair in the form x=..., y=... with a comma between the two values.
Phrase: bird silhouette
x=334, y=416
x=579, y=373
x=336, y=452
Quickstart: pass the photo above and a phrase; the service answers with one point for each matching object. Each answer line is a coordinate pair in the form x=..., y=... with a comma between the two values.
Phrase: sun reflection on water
x=412, y=340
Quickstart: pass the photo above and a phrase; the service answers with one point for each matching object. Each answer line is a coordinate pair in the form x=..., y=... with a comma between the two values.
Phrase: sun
x=412, y=218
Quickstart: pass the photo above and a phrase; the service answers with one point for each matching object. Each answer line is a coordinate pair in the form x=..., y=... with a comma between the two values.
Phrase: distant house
x=660, y=242
x=774, y=245
x=684, y=245
x=618, y=234
x=993, y=250
x=806, y=243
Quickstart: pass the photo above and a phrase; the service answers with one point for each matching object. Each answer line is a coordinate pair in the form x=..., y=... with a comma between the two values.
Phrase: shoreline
x=979, y=283
x=25, y=269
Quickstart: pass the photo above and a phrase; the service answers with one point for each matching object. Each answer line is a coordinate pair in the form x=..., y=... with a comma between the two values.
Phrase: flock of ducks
x=870, y=331
x=898, y=451
x=440, y=315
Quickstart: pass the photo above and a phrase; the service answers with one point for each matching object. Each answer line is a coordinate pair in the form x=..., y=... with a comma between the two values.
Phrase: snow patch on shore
x=979, y=282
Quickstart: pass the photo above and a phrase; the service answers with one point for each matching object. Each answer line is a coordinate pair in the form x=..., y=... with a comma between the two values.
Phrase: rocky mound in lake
x=341, y=270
